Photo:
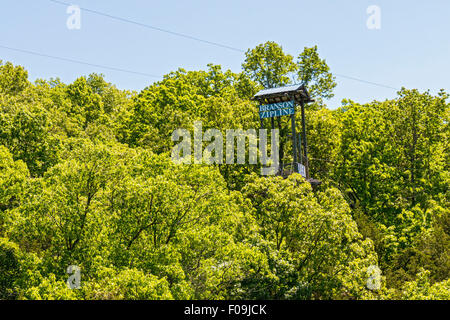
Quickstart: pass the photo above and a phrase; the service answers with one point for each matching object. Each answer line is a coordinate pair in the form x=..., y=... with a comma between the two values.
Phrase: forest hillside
x=87, y=180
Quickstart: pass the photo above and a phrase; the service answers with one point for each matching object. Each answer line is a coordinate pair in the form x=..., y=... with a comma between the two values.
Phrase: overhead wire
x=78, y=61
x=183, y=35
x=144, y=25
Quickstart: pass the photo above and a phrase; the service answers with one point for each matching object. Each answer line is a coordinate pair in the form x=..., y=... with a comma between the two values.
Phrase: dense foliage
x=86, y=179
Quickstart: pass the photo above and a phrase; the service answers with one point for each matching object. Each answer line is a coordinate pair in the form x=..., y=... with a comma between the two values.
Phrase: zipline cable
x=79, y=62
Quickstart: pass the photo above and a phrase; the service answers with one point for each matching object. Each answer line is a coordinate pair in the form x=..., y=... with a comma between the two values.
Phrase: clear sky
x=411, y=49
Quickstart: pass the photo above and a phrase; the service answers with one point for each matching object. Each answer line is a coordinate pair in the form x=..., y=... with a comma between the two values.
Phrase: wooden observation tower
x=278, y=102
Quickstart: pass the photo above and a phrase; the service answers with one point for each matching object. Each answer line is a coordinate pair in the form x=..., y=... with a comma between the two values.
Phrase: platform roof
x=295, y=92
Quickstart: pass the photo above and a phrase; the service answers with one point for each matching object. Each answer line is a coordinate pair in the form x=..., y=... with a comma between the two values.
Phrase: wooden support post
x=299, y=151
x=294, y=143
x=281, y=145
x=305, y=144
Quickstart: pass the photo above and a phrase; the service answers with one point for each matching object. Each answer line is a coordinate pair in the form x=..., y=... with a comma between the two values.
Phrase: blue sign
x=276, y=113
x=277, y=109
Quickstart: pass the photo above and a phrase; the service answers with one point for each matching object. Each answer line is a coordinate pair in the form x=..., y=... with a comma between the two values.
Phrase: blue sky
x=411, y=49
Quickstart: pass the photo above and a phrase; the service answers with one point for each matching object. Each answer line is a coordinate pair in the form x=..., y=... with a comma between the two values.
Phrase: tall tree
x=268, y=65
x=315, y=74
